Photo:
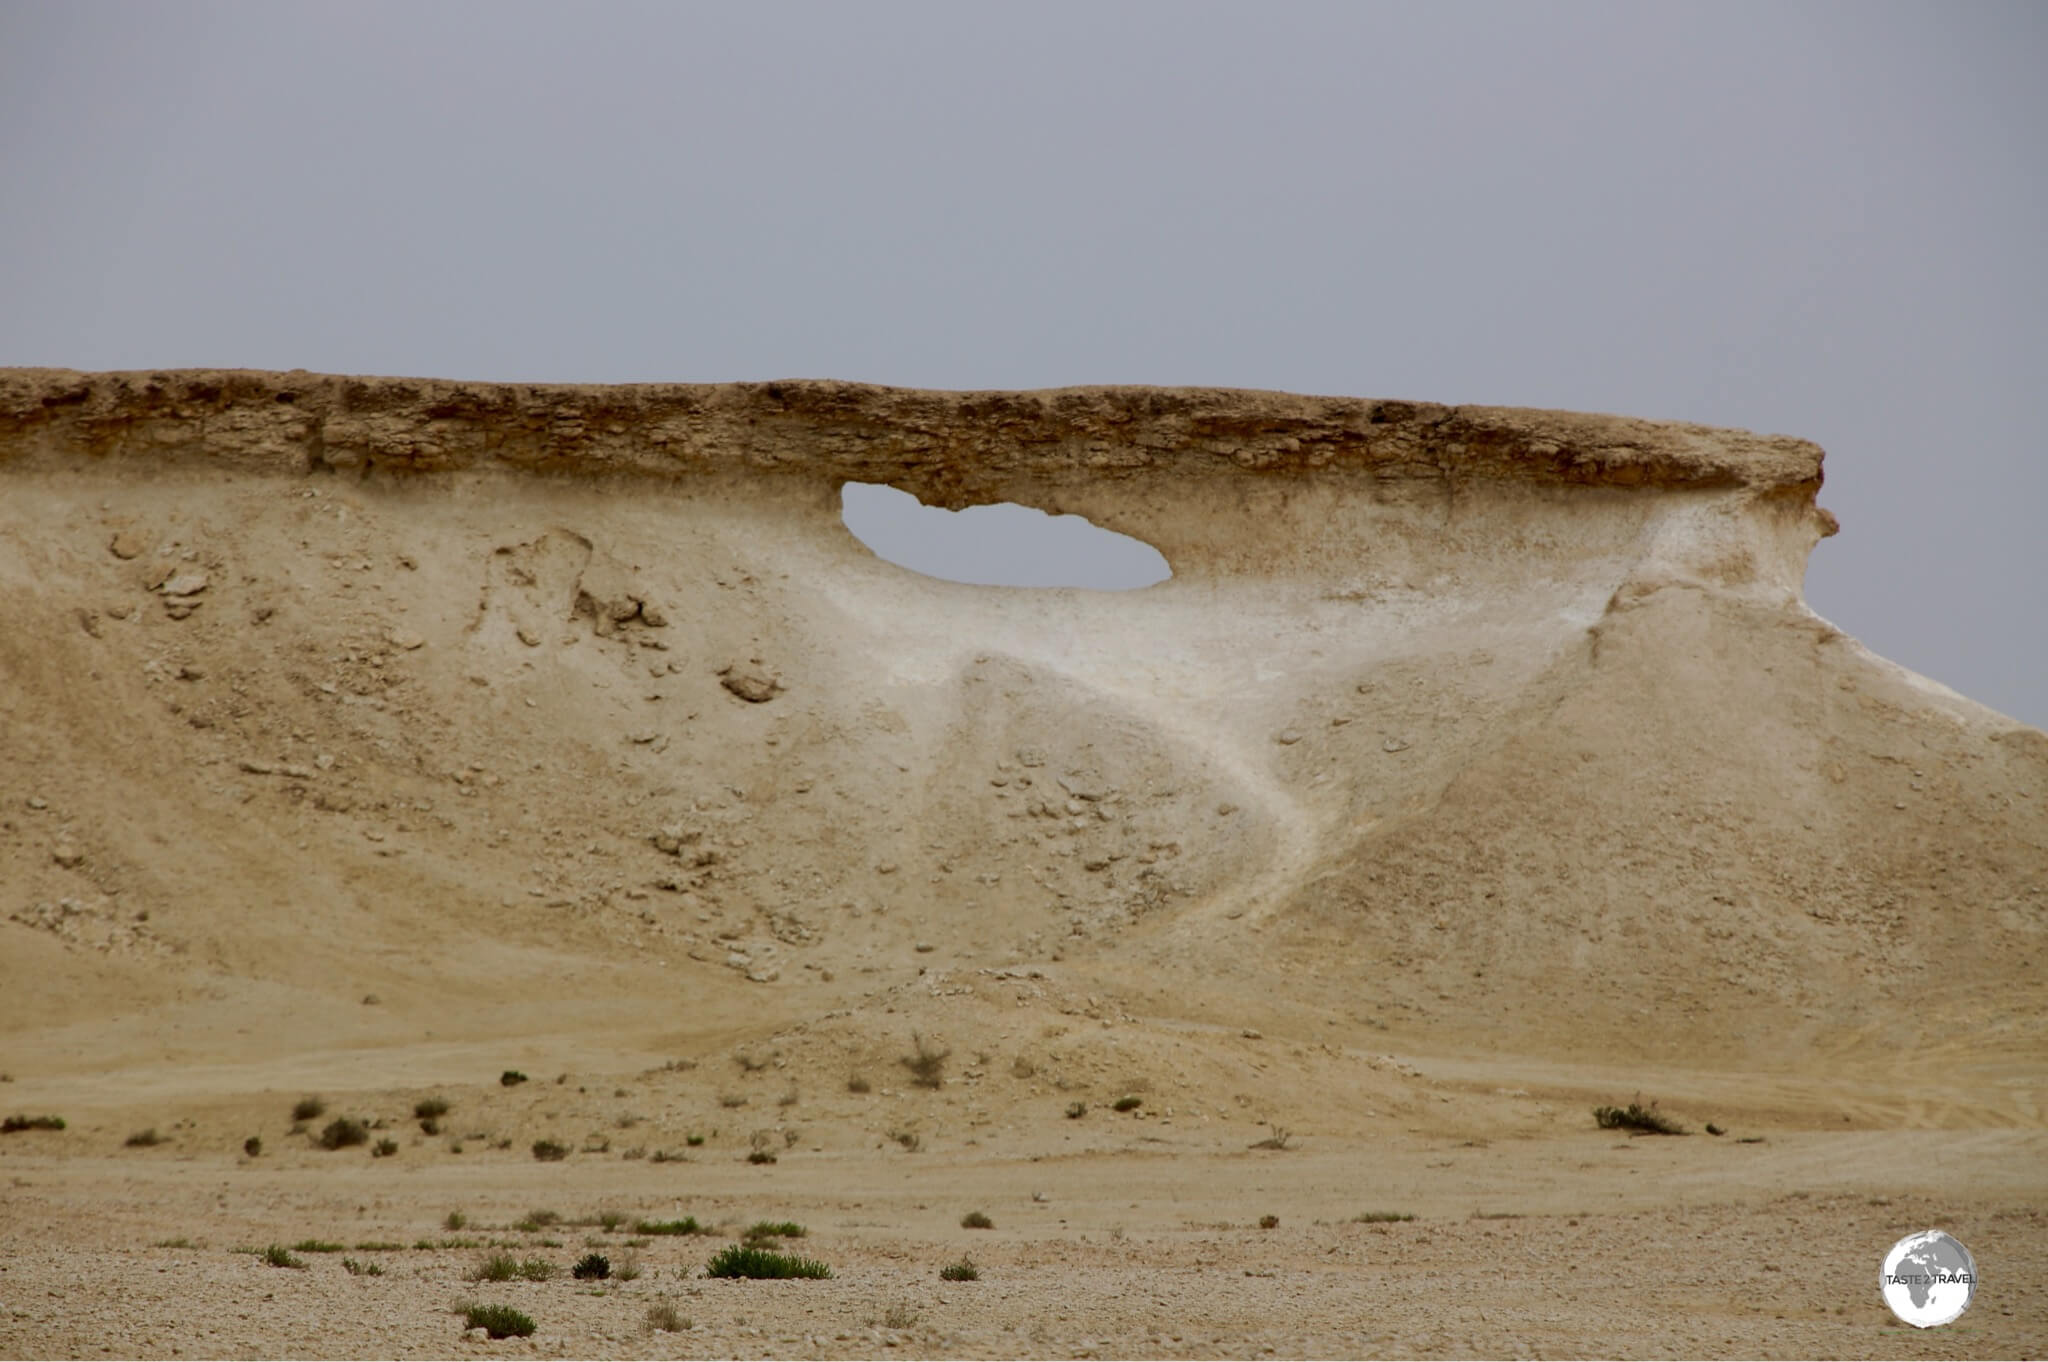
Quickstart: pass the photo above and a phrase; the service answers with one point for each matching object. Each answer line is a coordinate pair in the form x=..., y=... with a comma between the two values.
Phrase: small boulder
x=750, y=683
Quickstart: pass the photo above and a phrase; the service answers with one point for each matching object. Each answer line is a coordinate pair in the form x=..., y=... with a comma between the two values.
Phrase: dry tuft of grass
x=664, y=1318
x=926, y=1062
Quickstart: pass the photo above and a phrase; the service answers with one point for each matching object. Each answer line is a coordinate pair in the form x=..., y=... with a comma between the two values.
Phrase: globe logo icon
x=1928, y=1279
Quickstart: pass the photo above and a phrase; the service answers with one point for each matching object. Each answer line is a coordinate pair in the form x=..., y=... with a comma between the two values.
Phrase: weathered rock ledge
x=952, y=448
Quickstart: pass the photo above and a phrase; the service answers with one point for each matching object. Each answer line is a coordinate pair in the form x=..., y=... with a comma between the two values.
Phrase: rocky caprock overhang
x=950, y=447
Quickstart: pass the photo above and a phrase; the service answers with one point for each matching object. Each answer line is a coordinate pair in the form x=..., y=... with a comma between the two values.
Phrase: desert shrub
x=687, y=1225
x=1380, y=1217
x=378, y=1246
x=962, y=1271
x=384, y=1149
x=629, y=1267
x=693, y=1140
x=663, y=1317
x=732, y=1101
x=761, y=1156
x=430, y=1108
x=253, y=1146
x=751, y=1260
x=143, y=1139
x=1130, y=1103
x=511, y=1078
x=503, y=1267
x=926, y=1062
x=611, y=1220
x=858, y=1083
x=1076, y=1110
x=550, y=1151
x=277, y=1255
x=432, y=1127
x=15, y=1123
x=900, y=1315
x=456, y=1221
x=1637, y=1119
x=344, y=1131
x=976, y=1220
x=498, y=1321
x=909, y=1139
x=591, y=1267
x=316, y=1246
x=499, y=1267
x=180, y=1242
x=534, y=1221
x=309, y=1109
x=357, y=1268
x=775, y=1229
x=1268, y=1222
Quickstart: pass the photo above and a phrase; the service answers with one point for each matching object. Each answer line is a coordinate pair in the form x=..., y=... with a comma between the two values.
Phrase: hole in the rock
x=1001, y=545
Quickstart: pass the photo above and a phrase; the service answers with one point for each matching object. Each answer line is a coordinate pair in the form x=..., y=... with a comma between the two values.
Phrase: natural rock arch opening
x=998, y=545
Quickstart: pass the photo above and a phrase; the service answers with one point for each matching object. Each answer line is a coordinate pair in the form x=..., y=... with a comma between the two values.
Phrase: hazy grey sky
x=1829, y=220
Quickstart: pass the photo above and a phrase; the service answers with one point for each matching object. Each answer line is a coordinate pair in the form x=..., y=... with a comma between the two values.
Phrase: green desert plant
x=628, y=1268
x=1637, y=1119
x=535, y=1221
x=378, y=1246
x=511, y=1078
x=1380, y=1217
x=15, y=1123
x=498, y=1321
x=316, y=1246
x=687, y=1225
x=180, y=1242
x=384, y=1149
x=976, y=1220
x=610, y=1220
x=591, y=1267
x=430, y=1108
x=277, y=1255
x=749, y=1260
x=309, y=1109
x=962, y=1271
x=774, y=1229
x=550, y=1151
x=1130, y=1103
x=144, y=1139
x=343, y=1132
x=761, y=1156
x=456, y=1221
x=253, y=1146
x=357, y=1268
x=926, y=1062
x=1269, y=1222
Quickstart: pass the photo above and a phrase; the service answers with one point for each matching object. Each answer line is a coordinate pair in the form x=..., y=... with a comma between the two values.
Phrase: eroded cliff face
x=1447, y=715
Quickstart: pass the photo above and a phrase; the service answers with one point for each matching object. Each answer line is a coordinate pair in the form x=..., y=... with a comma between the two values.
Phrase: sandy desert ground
x=365, y=739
